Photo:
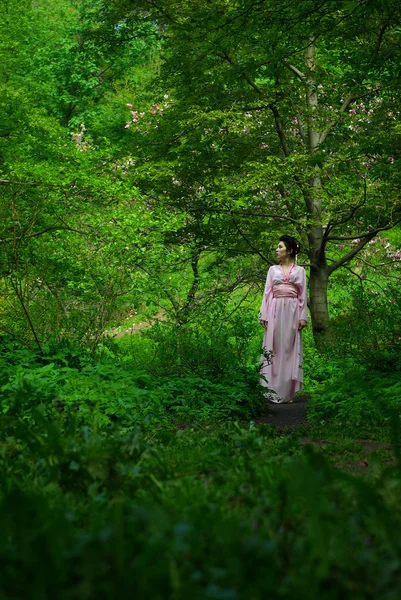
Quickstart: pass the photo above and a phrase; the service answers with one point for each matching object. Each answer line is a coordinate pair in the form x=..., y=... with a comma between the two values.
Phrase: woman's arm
x=302, y=298
x=267, y=296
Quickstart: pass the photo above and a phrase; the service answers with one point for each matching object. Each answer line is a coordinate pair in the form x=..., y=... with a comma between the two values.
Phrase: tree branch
x=377, y=268
x=296, y=71
x=247, y=78
x=363, y=279
x=331, y=225
x=43, y=231
x=280, y=130
x=245, y=214
x=247, y=240
x=373, y=233
x=158, y=8
x=273, y=107
x=342, y=109
x=350, y=255
x=301, y=129
x=380, y=38
x=30, y=183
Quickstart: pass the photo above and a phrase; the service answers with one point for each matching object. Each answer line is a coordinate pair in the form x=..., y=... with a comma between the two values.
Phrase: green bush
x=354, y=392
x=227, y=513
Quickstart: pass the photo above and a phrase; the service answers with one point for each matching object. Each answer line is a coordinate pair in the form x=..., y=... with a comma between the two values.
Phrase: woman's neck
x=287, y=262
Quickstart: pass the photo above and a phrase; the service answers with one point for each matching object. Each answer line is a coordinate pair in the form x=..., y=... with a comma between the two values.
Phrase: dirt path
x=285, y=415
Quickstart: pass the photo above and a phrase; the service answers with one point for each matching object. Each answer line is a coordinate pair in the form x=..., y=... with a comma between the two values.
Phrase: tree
x=62, y=250
x=278, y=114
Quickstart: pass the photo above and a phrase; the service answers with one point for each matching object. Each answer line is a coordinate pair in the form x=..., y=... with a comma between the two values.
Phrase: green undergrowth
x=127, y=474
x=360, y=392
x=112, y=387
x=225, y=510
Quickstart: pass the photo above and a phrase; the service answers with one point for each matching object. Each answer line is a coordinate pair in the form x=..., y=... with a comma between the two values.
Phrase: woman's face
x=282, y=252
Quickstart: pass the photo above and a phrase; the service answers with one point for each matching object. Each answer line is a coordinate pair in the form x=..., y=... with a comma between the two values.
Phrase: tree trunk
x=319, y=275
x=318, y=300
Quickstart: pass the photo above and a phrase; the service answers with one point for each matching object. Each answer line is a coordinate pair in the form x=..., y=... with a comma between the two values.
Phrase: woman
x=283, y=315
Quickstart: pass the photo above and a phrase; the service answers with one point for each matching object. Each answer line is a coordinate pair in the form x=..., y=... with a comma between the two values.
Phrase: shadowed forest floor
x=353, y=455
x=285, y=415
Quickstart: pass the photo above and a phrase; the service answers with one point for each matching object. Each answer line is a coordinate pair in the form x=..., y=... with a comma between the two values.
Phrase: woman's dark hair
x=291, y=244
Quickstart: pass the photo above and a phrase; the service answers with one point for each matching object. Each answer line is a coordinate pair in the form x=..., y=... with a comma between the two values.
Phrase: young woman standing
x=283, y=315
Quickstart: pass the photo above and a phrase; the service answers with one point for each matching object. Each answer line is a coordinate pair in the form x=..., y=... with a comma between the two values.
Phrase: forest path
x=285, y=415
x=349, y=455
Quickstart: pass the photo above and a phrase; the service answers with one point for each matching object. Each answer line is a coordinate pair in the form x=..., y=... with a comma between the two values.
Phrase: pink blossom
x=129, y=105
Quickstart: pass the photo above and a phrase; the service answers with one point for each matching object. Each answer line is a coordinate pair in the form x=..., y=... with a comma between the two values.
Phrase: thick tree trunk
x=319, y=275
x=318, y=300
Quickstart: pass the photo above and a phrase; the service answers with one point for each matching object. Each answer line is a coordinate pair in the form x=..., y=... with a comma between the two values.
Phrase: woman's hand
x=264, y=324
x=301, y=324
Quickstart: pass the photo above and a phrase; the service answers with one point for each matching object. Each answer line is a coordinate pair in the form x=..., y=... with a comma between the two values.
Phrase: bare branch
x=2, y=328
x=246, y=214
x=332, y=225
x=247, y=78
x=16, y=285
x=363, y=279
x=296, y=71
x=261, y=107
x=247, y=240
x=280, y=130
x=225, y=289
x=369, y=234
x=30, y=183
x=380, y=38
x=163, y=12
x=43, y=231
x=350, y=255
x=253, y=85
x=376, y=268
x=273, y=107
x=342, y=109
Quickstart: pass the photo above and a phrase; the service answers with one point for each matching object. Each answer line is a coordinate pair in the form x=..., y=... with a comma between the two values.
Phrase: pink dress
x=283, y=306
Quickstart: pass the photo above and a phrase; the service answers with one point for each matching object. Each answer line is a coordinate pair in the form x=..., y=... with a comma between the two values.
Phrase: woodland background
x=151, y=154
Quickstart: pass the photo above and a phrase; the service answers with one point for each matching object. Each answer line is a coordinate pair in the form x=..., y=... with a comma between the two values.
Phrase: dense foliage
x=150, y=155
x=275, y=118
x=116, y=480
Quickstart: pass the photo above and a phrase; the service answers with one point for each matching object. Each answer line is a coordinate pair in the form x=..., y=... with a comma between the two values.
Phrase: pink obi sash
x=285, y=290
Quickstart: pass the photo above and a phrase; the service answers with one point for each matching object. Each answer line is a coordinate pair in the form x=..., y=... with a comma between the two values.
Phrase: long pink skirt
x=285, y=373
